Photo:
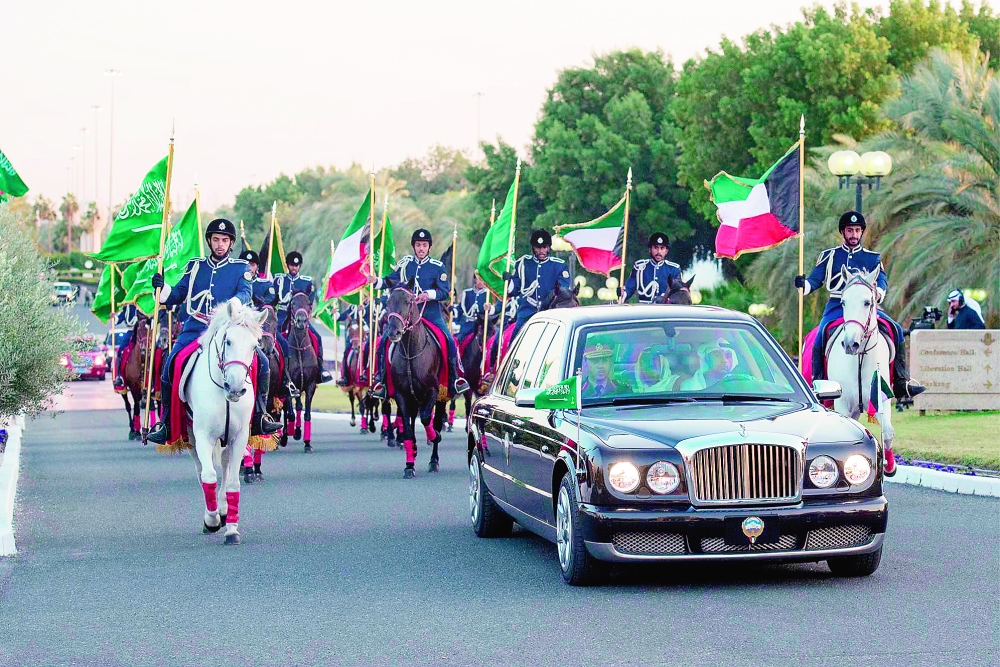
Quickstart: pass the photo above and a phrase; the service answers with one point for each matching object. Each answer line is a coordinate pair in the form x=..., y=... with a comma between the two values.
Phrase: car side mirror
x=827, y=390
x=525, y=398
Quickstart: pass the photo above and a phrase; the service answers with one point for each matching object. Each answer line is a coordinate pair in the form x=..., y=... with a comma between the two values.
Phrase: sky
x=254, y=89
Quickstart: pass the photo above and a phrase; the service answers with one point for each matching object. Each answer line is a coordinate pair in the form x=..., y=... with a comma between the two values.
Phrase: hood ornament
x=743, y=430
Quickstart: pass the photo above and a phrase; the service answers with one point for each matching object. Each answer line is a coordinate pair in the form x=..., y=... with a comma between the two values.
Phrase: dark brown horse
x=561, y=298
x=472, y=362
x=678, y=293
x=278, y=404
x=303, y=366
x=134, y=374
x=415, y=363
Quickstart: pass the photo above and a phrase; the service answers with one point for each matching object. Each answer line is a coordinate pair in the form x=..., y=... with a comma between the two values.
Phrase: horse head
x=860, y=303
x=232, y=337
x=403, y=313
x=561, y=298
x=163, y=340
x=678, y=292
x=270, y=329
x=141, y=336
x=300, y=308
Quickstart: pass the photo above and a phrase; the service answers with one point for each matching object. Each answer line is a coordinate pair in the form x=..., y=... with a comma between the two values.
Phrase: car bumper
x=92, y=372
x=809, y=531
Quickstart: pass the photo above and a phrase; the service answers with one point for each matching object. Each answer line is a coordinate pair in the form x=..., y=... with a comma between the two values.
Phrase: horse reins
x=866, y=331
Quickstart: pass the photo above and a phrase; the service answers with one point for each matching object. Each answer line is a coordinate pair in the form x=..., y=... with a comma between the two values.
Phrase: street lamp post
x=96, y=108
x=867, y=169
x=113, y=73
x=83, y=164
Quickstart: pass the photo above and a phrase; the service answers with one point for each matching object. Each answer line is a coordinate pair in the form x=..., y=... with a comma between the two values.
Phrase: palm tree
x=69, y=208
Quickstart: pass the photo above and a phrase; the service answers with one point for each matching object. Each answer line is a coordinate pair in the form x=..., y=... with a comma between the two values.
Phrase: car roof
x=584, y=315
x=61, y=284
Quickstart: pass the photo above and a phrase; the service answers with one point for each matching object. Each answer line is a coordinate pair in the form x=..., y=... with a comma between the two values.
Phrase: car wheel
x=577, y=566
x=488, y=520
x=855, y=566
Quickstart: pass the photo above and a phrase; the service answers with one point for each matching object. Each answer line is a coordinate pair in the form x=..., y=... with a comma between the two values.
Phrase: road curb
x=946, y=481
x=8, y=485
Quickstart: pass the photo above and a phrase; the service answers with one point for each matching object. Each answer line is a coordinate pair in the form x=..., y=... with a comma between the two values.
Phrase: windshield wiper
x=640, y=400
x=744, y=397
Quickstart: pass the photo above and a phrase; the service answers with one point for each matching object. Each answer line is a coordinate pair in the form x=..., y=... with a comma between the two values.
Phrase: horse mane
x=245, y=317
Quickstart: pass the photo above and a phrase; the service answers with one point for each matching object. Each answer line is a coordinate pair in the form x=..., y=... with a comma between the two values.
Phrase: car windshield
x=64, y=288
x=649, y=361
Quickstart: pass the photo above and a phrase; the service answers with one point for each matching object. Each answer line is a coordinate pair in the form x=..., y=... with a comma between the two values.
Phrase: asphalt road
x=344, y=562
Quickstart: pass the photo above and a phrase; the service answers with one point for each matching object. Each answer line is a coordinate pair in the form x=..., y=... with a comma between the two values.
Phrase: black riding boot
x=160, y=435
x=261, y=423
x=903, y=385
x=818, y=359
x=378, y=386
x=342, y=382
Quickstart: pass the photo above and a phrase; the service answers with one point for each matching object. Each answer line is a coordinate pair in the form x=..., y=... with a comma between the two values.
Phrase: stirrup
x=325, y=376
x=266, y=426
x=461, y=386
x=119, y=383
x=342, y=382
x=378, y=391
x=293, y=391
x=159, y=434
x=913, y=388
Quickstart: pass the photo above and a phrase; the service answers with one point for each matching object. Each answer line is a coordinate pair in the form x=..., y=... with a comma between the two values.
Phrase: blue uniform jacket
x=127, y=317
x=264, y=293
x=828, y=272
x=285, y=286
x=429, y=277
x=534, y=281
x=650, y=279
x=472, y=303
x=206, y=285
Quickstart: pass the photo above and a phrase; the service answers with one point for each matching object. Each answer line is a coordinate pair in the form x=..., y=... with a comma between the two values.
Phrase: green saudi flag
x=11, y=184
x=135, y=233
x=327, y=315
x=182, y=245
x=563, y=396
x=492, y=260
x=385, y=258
x=101, y=307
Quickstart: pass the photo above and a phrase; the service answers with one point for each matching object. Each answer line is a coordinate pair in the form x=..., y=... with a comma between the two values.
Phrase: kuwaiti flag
x=757, y=214
x=878, y=395
x=598, y=243
x=349, y=266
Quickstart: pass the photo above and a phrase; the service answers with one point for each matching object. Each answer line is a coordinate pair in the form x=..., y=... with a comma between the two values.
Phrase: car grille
x=718, y=545
x=838, y=537
x=649, y=543
x=747, y=472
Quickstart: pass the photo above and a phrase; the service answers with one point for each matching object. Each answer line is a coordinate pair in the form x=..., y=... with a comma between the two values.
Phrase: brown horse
x=472, y=362
x=561, y=298
x=278, y=404
x=415, y=364
x=134, y=374
x=678, y=293
x=303, y=364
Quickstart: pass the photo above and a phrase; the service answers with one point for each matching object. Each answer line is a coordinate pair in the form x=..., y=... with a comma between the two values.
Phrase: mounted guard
x=207, y=283
x=833, y=269
x=652, y=277
x=127, y=318
x=287, y=285
x=429, y=281
x=535, y=278
x=469, y=307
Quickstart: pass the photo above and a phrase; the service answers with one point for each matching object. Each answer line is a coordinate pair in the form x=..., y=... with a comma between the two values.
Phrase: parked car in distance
x=697, y=440
x=62, y=293
x=88, y=360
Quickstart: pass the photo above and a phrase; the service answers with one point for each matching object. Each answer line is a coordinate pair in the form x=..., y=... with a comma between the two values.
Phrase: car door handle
x=545, y=449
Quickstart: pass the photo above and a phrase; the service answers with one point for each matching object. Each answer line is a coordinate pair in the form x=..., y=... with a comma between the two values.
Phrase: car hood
x=668, y=424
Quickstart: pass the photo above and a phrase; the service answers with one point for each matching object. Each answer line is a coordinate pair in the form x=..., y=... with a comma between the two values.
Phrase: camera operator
x=962, y=315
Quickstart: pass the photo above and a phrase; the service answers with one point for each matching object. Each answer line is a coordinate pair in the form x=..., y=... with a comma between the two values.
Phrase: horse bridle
x=866, y=330
x=223, y=364
x=407, y=325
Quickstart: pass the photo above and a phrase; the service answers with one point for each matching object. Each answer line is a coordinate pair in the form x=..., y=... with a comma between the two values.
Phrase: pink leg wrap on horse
x=364, y=422
x=258, y=456
x=451, y=417
x=399, y=423
x=290, y=428
x=247, y=461
x=385, y=422
x=307, y=431
x=431, y=433
x=411, y=451
x=211, y=501
x=298, y=417
x=233, y=500
x=136, y=423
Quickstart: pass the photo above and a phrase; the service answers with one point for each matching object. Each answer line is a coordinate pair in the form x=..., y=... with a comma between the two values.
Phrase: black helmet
x=852, y=218
x=250, y=256
x=658, y=238
x=294, y=258
x=421, y=235
x=221, y=226
x=541, y=239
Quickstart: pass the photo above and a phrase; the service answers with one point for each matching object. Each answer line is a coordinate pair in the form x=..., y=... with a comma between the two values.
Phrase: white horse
x=857, y=352
x=221, y=398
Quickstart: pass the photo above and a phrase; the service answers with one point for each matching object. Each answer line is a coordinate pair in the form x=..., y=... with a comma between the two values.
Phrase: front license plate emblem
x=742, y=530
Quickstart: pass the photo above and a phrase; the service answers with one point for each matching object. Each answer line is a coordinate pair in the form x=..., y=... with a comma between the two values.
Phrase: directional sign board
x=961, y=369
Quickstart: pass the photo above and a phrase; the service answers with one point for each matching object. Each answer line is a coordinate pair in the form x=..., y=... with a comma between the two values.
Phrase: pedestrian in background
x=963, y=315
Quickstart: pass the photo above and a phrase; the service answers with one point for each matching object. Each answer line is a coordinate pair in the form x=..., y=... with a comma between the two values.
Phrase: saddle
x=832, y=331
x=438, y=336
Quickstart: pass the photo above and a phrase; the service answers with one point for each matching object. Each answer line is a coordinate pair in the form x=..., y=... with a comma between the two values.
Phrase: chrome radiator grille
x=838, y=537
x=740, y=473
x=649, y=543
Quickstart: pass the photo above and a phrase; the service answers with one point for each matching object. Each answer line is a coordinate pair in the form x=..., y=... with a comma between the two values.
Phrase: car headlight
x=823, y=472
x=99, y=360
x=624, y=477
x=857, y=469
x=662, y=477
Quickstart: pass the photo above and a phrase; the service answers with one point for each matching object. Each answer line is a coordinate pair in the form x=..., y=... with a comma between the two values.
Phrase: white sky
x=258, y=88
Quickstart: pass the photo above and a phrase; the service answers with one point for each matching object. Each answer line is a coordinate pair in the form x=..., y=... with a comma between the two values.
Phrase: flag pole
x=621, y=279
x=802, y=217
x=371, y=272
x=154, y=331
x=486, y=310
x=114, y=346
x=270, y=247
x=510, y=249
x=197, y=209
x=451, y=286
x=381, y=260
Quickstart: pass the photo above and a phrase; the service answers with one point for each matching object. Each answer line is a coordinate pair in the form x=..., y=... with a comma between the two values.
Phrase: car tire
x=577, y=566
x=488, y=520
x=855, y=566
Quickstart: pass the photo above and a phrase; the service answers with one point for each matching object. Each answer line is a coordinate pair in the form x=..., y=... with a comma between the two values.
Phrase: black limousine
x=697, y=439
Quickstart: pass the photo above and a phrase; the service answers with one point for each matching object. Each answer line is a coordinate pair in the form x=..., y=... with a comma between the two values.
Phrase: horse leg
x=350, y=397
x=258, y=458
x=209, y=481
x=307, y=425
x=451, y=415
x=468, y=408
x=231, y=484
x=362, y=407
x=438, y=422
x=132, y=432
x=248, y=464
x=298, y=417
x=407, y=408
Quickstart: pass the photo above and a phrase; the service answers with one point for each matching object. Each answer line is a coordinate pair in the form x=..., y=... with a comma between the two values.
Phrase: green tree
x=914, y=27
x=984, y=25
x=595, y=124
x=33, y=335
x=442, y=170
x=490, y=181
x=68, y=209
x=253, y=204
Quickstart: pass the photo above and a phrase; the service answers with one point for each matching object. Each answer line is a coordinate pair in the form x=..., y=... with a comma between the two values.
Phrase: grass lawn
x=968, y=438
